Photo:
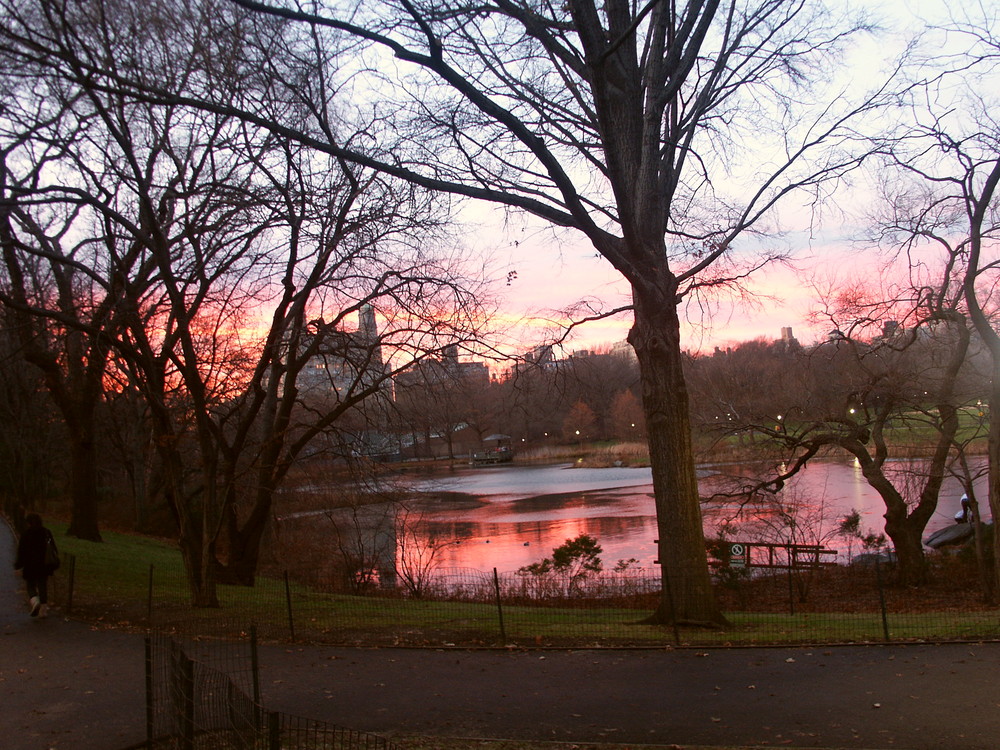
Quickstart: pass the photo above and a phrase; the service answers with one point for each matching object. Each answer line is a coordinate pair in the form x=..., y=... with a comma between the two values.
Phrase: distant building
x=471, y=370
x=541, y=355
x=343, y=361
x=788, y=340
x=892, y=330
x=348, y=366
x=446, y=369
x=544, y=357
x=623, y=349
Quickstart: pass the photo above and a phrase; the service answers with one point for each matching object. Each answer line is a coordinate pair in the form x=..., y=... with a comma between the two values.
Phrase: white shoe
x=36, y=605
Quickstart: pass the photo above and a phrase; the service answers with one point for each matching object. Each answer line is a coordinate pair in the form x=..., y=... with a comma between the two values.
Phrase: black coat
x=31, y=552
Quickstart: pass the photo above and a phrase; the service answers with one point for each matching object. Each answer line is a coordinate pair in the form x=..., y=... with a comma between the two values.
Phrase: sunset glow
x=552, y=278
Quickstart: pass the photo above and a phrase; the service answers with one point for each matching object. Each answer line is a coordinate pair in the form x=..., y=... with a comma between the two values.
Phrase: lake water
x=510, y=516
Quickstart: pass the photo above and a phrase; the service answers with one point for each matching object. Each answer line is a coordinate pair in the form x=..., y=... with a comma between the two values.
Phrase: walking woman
x=37, y=559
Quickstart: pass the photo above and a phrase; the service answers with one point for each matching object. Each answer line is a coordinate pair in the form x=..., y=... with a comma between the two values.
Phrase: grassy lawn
x=912, y=435
x=111, y=585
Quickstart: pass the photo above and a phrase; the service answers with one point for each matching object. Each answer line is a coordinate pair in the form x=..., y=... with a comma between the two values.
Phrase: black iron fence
x=203, y=696
x=821, y=604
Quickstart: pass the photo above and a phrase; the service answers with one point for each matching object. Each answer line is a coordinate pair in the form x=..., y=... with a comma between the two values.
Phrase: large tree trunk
x=903, y=527
x=76, y=390
x=905, y=524
x=688, y=597
x=83, y=489
x=77, y=402
x=201, y=582
x=905, y=532
x=243, y=542
x=993, y=451
x=198, y=562
x=196, y=548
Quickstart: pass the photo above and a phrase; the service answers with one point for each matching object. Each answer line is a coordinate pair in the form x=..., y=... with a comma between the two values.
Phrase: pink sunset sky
x=555, y=272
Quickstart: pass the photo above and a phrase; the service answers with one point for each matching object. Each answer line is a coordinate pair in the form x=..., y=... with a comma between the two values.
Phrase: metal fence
x=206, y=696
x=827, y=604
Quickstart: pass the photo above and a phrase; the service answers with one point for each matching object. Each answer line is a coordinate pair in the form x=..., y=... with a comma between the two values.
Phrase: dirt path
x=67, y=686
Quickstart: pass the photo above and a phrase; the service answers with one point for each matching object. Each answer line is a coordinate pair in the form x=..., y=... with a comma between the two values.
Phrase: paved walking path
x=68, y=686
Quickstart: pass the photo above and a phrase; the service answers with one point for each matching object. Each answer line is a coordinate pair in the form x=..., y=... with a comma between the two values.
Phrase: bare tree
x=533, y=404
x=71, y=363
x=618, y=121
x=438, y=398
x=595, y=378
x=603, y=120
x=419, y=551
x=579, y=424
x=246, y=261
x=626, y=416
x=131, y=453
x=32, y=434
x=943, y=171
x=862, y=395
x=749, y=383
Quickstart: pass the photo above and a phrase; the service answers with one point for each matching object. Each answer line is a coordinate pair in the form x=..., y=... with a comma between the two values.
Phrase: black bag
x=51, y=555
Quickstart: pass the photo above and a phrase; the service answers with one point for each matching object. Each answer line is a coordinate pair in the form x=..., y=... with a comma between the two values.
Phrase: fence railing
x=196, y=700
x=462, y=607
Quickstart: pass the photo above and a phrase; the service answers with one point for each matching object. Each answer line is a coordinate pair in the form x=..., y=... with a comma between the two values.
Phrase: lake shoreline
x=519, y=512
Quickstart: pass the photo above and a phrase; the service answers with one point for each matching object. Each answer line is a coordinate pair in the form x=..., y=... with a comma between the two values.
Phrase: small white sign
x=737, y=555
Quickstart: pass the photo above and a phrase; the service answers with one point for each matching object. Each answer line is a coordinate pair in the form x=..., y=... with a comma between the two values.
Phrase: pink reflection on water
x=521, y=513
